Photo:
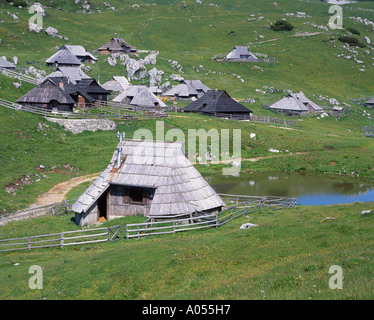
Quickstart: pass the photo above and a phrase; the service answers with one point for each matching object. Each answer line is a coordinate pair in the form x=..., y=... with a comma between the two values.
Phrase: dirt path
x=297, y=35
x=58, y=192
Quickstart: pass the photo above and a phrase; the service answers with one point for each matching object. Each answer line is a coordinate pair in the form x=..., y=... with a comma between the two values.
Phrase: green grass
x=65, y=155
x=287, y=257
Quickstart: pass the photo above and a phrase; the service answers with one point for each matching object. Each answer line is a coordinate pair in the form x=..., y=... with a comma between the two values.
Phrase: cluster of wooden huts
x=68, y=87
x=151, y=178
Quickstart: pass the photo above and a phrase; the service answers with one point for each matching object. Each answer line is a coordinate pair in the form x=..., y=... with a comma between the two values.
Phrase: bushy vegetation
x=282, y=25
x=353, y=30
x=352, y=41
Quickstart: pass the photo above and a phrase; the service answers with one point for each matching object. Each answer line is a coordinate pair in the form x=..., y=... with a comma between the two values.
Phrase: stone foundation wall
x=78, y=125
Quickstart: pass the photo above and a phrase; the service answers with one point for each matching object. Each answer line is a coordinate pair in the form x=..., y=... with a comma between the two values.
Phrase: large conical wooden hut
x=151, y=178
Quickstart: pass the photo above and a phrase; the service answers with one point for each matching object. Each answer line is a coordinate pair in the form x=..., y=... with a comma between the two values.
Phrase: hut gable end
x=155, y=178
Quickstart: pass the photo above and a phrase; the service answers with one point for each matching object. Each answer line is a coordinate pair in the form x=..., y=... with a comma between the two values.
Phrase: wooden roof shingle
x=216, y=101
x=179, y=187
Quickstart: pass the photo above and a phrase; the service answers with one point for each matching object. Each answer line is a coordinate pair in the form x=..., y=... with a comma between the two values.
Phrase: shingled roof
x=217, y=101
x=117, y=44
x=46, y=92
x=6, y=64
x=297, y=103
x=116, y=84
x=74, y=74
x=179, y=187
x=370, y=102
x=240, y=53
x=63, y=57
x=78, y=51
x=188, y=89
x=139, y=95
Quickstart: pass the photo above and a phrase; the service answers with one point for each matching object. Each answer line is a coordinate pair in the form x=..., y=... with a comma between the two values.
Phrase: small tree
x=281, y=25
x=352, y=30
x=352, y=41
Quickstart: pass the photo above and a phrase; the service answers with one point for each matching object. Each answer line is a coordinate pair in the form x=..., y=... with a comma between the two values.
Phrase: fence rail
x=254, y=118
x=63, y=239
x=245, y=204
x=114, y=113
x=51, y=209
x=19, y=76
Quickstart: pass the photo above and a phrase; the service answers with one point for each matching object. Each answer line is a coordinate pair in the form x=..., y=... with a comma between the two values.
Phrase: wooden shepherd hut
x=151, y=178
x=241, y=54
x=218, y=102
x=5, y=64
x=187, y=89
x=81, y=53
x=116, y=84
x=116, y=45
x=370, y=103
x=296, y=104
x=48, y=95
x=141, y=97
x=64, y=58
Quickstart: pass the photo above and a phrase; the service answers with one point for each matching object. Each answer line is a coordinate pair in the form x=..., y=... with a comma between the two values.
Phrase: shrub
x=352, y=41
x=352, y=30
x=17, y=3
x=281, y=25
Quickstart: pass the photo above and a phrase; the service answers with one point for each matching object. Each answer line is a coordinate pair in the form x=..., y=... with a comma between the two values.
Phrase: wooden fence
x=265, y=201
x=63, y=239
x=19, y=76
x=254, y=118
x=51, y=209
x=111, y=113
x=201, y=220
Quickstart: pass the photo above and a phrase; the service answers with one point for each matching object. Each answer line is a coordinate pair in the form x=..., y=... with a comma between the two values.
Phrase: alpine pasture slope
x=36, y=154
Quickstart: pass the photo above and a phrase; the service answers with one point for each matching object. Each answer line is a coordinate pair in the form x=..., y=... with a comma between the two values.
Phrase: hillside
x=309, y=58
x=288, y=256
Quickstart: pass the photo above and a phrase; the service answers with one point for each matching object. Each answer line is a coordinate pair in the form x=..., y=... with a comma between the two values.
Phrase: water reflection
x=309, y=189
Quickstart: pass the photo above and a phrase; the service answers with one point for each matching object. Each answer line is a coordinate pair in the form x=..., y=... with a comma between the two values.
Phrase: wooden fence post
x=62, y=239
x=127, y=232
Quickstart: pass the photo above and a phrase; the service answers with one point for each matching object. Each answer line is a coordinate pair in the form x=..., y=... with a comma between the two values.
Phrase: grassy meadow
x=288, y=256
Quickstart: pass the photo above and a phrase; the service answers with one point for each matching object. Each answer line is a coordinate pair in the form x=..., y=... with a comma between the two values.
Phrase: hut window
x=137, y=196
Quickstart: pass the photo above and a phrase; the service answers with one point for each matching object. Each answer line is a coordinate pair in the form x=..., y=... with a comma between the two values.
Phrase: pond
x=308, y=189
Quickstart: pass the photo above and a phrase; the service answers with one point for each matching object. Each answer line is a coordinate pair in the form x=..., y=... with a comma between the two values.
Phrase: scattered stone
x=248, y=226
x=155, y=77
x=51, y=31
x=274, y=150
x=34, y=27
x=176, y=77
x=366, y=212
x=112, y=61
